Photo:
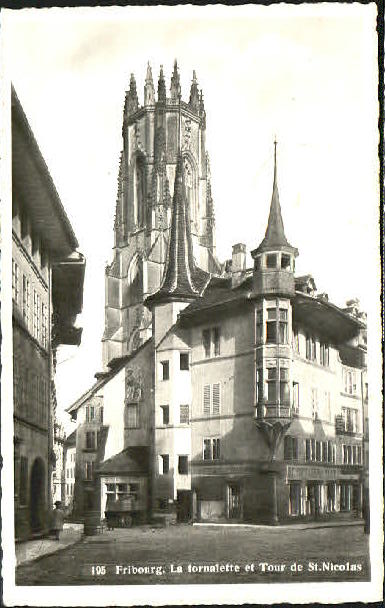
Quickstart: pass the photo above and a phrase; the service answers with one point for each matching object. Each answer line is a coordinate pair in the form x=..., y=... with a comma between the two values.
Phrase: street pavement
x=190, y=554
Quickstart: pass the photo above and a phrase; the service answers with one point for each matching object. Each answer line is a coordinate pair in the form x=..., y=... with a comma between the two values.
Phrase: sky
x=306, y=75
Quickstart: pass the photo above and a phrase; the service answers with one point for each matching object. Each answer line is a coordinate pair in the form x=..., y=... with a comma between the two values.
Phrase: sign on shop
x=311, y=473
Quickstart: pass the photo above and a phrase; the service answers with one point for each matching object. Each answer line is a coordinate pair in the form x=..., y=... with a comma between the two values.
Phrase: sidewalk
x=310, y=525
x=30, y=550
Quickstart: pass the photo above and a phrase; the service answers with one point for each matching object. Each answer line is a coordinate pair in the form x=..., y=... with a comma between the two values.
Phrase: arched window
x=189, y=180
x=135, y=283
x=139, y=191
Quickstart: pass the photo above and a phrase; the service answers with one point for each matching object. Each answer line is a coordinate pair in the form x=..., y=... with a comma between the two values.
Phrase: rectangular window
x=330, y=451
x=164, y=464
x=295, y=397
x=308, y=450
x=271, y=260
x=207, y=449
x=272, y=384
x=259, y=326
x=258, y=385
x=324, y=451
x=26, y=299
x=184, y=414
x=206, y=340
x=290, y=448
x=89, y=470
x=216, y=449
x=314, y=403
x=165, y=370
x=216, y=341
x=165, y=414
x=313, y=449
x=184, y=361
x=359, y=454
x=101, y=414
x=284, y=391
x=350, y=418
x=183, y=465
x=44, y=321
x=132, y=416
x=283, y=326
x=318, y=451
x=324, y=354
x=311, y=348
x=23, y=482
x=15, y=282
x=91, y=440
x=271, y=326
x=296, y=340
x=285, y=261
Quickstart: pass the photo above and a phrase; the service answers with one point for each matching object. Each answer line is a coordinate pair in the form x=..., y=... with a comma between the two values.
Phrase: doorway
x=184, y=506
x=37, y=496
x=234, y=500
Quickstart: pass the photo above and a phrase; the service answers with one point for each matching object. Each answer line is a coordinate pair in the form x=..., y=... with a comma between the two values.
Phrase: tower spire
x=182, y=279
x=275, y=232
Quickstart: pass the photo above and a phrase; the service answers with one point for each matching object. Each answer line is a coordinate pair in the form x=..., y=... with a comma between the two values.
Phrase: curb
x=58, y=550
x=284, y=527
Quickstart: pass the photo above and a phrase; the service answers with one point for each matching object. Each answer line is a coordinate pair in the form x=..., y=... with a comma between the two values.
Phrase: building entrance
x=184, y=505
x=234, y=500
x=37, y=496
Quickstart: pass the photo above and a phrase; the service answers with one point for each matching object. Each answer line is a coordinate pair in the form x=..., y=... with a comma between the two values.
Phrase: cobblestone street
x=187, y=554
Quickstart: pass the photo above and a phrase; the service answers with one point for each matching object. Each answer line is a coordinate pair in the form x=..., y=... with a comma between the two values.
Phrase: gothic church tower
x=143, y=208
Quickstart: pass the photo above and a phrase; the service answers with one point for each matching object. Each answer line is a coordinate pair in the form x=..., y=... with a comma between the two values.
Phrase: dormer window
x=271, y=260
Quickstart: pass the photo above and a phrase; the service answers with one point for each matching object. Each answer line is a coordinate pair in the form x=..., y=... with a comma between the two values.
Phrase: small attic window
x=271, y=260
x=285, y=262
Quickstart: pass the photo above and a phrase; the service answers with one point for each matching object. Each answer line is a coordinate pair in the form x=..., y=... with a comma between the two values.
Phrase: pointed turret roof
x=182, y=279
x=275, y=232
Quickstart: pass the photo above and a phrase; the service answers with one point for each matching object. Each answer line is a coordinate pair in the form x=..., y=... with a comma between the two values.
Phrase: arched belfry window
x=190, y=185
x=139, y=191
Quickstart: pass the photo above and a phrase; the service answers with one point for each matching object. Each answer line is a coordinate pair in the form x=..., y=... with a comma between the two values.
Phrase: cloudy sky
x=306, y=74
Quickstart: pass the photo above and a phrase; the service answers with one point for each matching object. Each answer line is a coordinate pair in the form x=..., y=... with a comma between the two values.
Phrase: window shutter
x=216, y=399
x=206, y=400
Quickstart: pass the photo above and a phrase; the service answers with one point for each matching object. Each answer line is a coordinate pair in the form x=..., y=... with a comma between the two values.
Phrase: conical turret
x=182, y=279
x=274, y=258
x=149, y=91
x=175, y=89
x=194, y=94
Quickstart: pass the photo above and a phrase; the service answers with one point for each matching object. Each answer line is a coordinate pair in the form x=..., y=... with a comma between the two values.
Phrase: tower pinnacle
x=132, y=102
x=149, y=91
x=175, y=89
x=161, y=86
x=194, y=94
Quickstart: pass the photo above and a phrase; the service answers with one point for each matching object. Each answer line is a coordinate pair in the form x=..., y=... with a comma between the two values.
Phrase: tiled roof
x=219, y=292
x=182, y=278
x=132, y=460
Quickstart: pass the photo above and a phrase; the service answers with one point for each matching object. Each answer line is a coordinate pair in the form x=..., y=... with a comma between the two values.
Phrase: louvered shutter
x=216, y=399
x=206, y=400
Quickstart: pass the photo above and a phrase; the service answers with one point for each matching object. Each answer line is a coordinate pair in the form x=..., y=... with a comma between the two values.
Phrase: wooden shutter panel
x=216, y=399
x=206, y=400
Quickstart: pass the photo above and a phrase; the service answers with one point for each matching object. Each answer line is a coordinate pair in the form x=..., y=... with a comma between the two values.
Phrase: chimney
x=238, y=264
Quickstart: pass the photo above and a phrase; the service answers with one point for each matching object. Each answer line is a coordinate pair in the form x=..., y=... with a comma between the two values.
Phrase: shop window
x=110, y=487
x=164, y=464
x=183, y=465
x=165, y=414
x=271, y=260
x=184, y=361
x=346, y=495
x=184, y=414
x=165, y=370
x=122, y=487
x=295, y=499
